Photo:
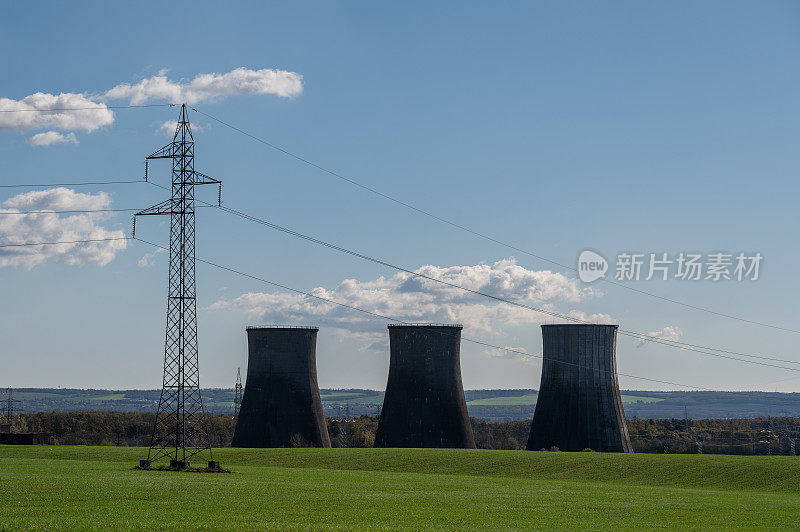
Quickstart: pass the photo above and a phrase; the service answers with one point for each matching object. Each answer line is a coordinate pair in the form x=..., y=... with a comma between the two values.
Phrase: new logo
x=591, y=266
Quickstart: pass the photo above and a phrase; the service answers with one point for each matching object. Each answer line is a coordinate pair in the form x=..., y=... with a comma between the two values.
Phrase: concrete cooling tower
x=424, y=404
x=281, y=406
x=579, y=405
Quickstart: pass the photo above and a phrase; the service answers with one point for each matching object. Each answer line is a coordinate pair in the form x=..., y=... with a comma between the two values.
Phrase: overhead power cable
x=58, y=109
x=23, y=244
x=721, y=353
x=72, y=211
x=480, y=234
x=403, y=322
x=85, y=183
x=79, y=211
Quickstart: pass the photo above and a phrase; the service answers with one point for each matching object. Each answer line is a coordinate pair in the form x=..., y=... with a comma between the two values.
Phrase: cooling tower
x=281, y=405
x=424, y=404
x=579, y=405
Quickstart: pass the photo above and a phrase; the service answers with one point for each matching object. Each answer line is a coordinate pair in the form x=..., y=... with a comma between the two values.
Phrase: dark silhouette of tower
x=579, y=405
x=424, y=404
x=179, y=432
x=281, y=406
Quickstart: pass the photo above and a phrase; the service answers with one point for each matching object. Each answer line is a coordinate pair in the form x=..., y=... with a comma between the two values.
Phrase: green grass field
x=640, y=398
x=96, y=487
x=518, y=400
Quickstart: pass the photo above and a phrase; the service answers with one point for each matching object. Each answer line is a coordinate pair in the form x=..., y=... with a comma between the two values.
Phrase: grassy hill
x=95, y=487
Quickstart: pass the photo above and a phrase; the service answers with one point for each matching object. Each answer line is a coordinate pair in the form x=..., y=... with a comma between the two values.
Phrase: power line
x=85, y=183
x=80, y=211
x=105, y=107
x=721, y=353
x=64, y=242
x=72, y=211
x=479, y=234
x=403, y=322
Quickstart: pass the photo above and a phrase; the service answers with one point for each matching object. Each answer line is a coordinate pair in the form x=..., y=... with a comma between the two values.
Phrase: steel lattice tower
x=9, y=406
x=179, y=429
x=237, y=399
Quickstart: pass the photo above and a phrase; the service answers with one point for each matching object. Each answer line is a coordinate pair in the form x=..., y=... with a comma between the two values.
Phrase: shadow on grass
x=185, y=470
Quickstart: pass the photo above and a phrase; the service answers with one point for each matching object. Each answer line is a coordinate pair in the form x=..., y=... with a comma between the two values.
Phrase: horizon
x=323, y=388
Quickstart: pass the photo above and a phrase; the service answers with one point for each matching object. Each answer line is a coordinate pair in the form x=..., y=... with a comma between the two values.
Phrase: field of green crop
x=519, y=400
x=96, y=487
x=530, y=399
x=640, y=399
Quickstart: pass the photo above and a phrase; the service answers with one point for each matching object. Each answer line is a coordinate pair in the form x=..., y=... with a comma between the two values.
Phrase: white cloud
x=410, y=298
x=39, y=111
x=52, y=137
x=168, y=128
x=209, y=86
x=592, y=318
x=52, y=227
x=669, y=333
x=58, y=199
x=149, y=259
x=28, y=118
x=515, y=353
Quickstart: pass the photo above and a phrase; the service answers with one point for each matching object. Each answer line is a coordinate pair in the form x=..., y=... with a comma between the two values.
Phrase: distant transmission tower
x=237, y=398
x=179, y=429
x=8, y=407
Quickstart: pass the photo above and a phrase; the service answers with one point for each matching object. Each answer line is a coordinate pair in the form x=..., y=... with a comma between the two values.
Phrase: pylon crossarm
x=203, y=179
x=167, y=152
x=165, y=207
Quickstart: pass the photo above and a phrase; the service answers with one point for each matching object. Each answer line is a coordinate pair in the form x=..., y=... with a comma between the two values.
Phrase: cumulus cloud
x=669, y=333
x=592, y=318
x=52, y=227
x=168, y=128
x=515, y=353
x=209, y=86
x=410, y=298
x=52, y=137
x=149, y=259
x=40, y=111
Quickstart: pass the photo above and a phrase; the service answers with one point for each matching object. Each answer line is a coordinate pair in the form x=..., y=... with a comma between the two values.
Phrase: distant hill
x=495, y=405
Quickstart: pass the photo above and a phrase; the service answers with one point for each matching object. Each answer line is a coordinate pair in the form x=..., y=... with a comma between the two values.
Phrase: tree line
x=757, y=436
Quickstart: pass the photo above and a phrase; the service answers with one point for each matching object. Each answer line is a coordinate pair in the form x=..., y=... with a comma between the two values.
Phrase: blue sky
x=554, y=126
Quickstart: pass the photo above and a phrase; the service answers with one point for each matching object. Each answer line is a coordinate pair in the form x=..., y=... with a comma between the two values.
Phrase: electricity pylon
x=9, y=408
x=237, y=398
x=179, y=429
